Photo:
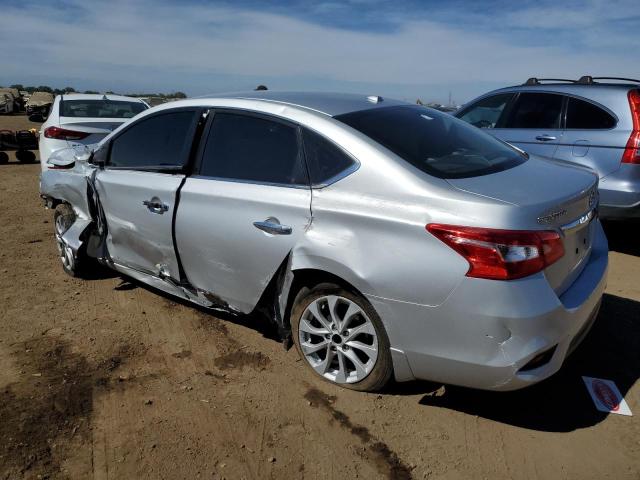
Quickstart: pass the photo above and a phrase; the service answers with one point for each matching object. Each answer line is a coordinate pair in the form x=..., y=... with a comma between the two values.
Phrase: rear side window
x=435, y=142
x=536, y=110
x=160, y=141
x=325, y=160
x=252, y=149
x=100, y=108
x=487, y=112
x=583, y=115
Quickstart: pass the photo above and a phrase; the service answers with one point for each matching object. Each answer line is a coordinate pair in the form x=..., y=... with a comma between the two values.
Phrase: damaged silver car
x=385, y=239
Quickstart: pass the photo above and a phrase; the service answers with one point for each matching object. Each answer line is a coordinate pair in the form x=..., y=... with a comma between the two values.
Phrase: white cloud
x=118, y=41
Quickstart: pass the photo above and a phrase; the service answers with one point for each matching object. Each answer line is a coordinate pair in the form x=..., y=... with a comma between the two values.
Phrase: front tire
x=63, y=218
x=341, y=338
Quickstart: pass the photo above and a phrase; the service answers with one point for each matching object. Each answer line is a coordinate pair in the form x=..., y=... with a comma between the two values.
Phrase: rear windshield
x=100, y=108
x=436, y=143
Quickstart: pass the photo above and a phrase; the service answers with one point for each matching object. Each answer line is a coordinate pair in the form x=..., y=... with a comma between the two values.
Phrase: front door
x=138, y=187
x=245, y=209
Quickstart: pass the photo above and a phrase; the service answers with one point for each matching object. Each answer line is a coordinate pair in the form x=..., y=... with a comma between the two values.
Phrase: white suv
x=84, y=119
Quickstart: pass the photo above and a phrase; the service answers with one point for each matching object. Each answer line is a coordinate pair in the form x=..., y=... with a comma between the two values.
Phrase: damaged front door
x=138, y=188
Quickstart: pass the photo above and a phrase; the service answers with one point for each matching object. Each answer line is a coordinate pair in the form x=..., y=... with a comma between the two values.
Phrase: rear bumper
x=487, y=331
x=620, y=193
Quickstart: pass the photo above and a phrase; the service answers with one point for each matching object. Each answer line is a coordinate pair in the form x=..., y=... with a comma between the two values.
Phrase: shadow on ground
x=561, y=403
x=621, y=236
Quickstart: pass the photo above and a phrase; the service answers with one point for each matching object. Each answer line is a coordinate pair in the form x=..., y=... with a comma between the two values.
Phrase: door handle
x=273, y=226
x=545, y=138
x=156, y=206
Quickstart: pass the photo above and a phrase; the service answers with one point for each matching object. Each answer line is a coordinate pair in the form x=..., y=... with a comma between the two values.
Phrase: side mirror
x=36, y=117
x=99, y=157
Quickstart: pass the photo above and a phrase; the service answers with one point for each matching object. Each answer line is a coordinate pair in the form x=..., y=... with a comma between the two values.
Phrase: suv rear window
x=583, y=115
x=434, y=142
x=100, y=108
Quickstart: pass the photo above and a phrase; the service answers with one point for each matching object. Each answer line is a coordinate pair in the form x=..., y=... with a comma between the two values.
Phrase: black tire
x=382, y=371
x=63, y=218
x=25, y=156
x=4, y=158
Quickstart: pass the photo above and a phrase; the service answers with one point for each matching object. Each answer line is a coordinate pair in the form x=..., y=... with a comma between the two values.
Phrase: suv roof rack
x=538, y=81
x=588, y=80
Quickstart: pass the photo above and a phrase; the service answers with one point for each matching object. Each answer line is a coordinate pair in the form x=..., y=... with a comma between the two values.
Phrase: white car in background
x=84, y=119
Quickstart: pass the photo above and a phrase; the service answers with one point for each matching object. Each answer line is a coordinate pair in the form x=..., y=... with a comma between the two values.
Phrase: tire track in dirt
x=384, y=459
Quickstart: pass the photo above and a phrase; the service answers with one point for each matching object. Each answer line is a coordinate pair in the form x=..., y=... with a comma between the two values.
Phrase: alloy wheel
x=338, y=339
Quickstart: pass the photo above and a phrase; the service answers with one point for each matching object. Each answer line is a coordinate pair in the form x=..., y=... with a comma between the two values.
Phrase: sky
x=403, y=49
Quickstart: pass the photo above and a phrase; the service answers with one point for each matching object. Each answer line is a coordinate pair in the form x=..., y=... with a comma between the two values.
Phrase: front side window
x=159, y=141
x=583, y=115
x=252, y=149
x=325, y=160
x=486, y=113
x=100, y=108
x=536, y=110
x=435, y=142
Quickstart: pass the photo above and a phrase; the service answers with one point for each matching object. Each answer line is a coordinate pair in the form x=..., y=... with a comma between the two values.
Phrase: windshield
x=100, y=108
x=436, y=143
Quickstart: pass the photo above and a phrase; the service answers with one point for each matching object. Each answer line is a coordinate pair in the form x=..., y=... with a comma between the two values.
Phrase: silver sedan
x=385, y=239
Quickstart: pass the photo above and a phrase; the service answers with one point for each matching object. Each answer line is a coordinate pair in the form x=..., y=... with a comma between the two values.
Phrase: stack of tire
x=22, y=141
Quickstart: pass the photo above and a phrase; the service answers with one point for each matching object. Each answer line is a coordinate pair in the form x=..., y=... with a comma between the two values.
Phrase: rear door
x=534, y=123
x=590, y=138
x=245, y=207
x=137, y=189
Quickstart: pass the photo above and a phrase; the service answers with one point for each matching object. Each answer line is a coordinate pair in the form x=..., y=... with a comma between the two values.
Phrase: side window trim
x=206, y=131
x=595, y=104
x=186, y=149
x=355, y=163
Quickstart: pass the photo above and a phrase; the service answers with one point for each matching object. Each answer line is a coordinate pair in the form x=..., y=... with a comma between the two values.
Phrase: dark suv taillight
x=64, y=134
x=632, y=150
x=501, y=254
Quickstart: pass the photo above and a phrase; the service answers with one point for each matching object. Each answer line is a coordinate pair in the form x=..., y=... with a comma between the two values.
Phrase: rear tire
x=341, y=338
x=4, y=158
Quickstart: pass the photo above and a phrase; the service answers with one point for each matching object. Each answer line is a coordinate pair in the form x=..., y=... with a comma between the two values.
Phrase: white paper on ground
x=606, y=396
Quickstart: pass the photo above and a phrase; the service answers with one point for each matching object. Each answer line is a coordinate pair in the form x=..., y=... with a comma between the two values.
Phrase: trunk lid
x=547, y=196
x=97, y=128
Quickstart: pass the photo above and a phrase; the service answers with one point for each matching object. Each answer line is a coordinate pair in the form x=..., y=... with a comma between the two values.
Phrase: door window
x=159, y=141
x=536, y=110
x=252, y=149
x=487, y=112
x=325, y=160
x=583, y=115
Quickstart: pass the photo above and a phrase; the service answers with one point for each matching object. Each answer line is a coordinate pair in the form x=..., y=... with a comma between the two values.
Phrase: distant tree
x=69, y=90
x=109, y=92
x=179, y=95
x=19, y=86
x=91, y=91
x=44, y=88
x=261, y=87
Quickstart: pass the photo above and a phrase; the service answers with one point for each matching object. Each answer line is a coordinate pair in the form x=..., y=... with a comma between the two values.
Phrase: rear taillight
x=501, y=254
x=632, y=150
x=64, y=134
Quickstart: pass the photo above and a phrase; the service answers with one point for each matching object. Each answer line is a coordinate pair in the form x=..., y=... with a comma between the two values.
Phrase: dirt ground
x=108, y=379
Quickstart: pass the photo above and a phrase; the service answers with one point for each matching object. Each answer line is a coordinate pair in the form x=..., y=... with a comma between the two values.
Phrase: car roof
x=98, y=96
x=331, y=104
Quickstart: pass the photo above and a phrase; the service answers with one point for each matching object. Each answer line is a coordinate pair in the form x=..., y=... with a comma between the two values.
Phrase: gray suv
x=593, y=121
